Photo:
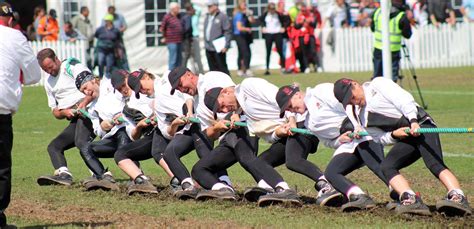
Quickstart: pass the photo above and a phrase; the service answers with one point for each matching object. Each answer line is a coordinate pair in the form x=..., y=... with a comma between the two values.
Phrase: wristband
x=393, y=136
x=413, y=120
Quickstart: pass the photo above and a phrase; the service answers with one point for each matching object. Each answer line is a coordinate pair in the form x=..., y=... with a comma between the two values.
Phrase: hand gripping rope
x=446, y=130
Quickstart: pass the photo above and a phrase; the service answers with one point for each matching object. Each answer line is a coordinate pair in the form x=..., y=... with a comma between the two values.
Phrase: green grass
x=447, y=91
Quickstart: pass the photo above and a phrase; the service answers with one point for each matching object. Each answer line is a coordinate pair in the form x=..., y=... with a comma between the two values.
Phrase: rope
x=446, y=130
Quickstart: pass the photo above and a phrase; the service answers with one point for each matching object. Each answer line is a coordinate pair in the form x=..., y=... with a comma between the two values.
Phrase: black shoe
x=174, y=184
x=221, y=194
x=327, y=195
x=252, y=194
x=358, y=202
x=266, y=73
x=454, y=204
x=187, y=192
x=412, y=204
x=395, y=201
x=106, y=183
x=63, y=178
x=141, y=185
x=281, y=196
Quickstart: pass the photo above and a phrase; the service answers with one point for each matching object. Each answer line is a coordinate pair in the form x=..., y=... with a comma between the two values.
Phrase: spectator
x=338, y=14
x=243, y=36
x=17, y=56
x=467, y=10
x=107, y=38
x=121, y=25
x=420, y=12
x=399, y=26
x=273, y=29
x=366, y=9
x=172, y=30
x=32, y=29
x=48, y=27
x=70, y=34
x=82, y=23
x=186, y=22
x=441, y=11
x=216, y=26
x=305, y=24
x=194, y=49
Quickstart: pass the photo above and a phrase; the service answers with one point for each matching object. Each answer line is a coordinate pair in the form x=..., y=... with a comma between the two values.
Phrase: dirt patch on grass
x=89, y=217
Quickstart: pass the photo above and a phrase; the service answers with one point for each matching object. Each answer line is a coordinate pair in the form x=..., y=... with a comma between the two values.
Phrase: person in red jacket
x=305, y=24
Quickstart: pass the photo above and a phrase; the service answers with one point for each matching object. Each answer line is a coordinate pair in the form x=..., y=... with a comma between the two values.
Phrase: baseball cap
x=109, y=17
x=117, y=77
x=210, y=99
x=174, y=77
x=6, y=10
x=134, y=81
x=212, y=2
x=343, y=90
x=283, y=97
x=53, y=14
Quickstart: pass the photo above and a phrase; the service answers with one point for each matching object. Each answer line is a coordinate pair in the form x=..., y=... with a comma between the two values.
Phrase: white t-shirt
x=61, y=90
x=108, y=105
x=166, y=104
x=272, y=23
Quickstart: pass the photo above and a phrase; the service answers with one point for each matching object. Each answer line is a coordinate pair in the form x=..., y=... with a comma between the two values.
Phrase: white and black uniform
x=63, y=94
x=257, y=97
x=108, y=105
x=195, y=137
x=15, y=55
x=327, y=119
x=388, y=108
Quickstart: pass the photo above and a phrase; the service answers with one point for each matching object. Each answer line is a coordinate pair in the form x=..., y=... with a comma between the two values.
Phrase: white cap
x=212, y=2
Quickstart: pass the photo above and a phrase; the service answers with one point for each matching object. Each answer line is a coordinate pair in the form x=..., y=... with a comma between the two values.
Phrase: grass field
x=449, y=93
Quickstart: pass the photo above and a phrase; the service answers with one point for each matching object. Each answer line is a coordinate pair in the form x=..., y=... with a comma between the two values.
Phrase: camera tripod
x=411, y=67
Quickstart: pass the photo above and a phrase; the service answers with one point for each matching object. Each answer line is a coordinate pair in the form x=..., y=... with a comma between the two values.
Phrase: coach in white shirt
x=15, y=56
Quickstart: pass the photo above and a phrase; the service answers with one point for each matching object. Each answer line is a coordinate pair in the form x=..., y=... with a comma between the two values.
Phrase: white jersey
x=206, y=82
x=257, y=98
x=108, y=105
x=325, y=118
x=166, y=104
x=144, y=104
x=15, y=55
x=61, y=89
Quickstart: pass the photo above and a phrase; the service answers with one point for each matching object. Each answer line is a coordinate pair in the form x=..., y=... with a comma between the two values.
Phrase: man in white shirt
x=15, y=56
x=70, y=87
x=387, y=111
x=327, y=120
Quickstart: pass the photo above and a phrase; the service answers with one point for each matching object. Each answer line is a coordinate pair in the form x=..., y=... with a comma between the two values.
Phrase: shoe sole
x=47, y=181
x=450, y=209
x=391, y=206
x=415, y=212
x=357, y=208
x=268, y=202
x=253, y=194
x=133, y=192
x=185, y=196
x=333, y=200
x=94, y=185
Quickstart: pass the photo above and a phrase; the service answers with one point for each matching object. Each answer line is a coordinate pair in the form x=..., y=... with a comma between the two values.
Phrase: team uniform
x=195, y=138
x=63, y=93
x=388, y=108
x=327, y=119
x=16, y=56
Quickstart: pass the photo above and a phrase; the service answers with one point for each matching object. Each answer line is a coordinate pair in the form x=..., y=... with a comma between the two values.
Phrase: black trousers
x=149, y=146
x=217, y=61
x=276, y=38
x=308, y=52
x=181, y=145
x=78, y=133
x=107, y=147
x=6, y=144
x=244, y=56
x=293, y=151
x=367, y=153
x=409, y=150
x=237, y=146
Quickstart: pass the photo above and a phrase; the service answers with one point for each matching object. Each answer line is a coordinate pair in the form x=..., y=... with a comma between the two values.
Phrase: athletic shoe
x=358, y=202
x=221, y=194
x=240, y=73
x=327, y=195
x=454, y=204
x=395, y=201
x=188, y=191
x=252, y=194
x=174, y=184
x=141, y=185
x=307, y=71
x=267, y=73
x=249, y=73
x=63, y=178
x=412, y=204
x=281, y=196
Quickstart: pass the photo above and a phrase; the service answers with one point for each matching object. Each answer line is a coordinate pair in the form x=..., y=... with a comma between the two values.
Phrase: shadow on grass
x=71, y=224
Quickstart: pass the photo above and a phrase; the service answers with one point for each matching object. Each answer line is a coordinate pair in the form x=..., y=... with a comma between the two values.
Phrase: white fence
x=429, y=47
x=63, y=50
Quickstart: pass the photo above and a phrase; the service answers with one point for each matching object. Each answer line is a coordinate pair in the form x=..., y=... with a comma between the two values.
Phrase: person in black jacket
x=273, y=29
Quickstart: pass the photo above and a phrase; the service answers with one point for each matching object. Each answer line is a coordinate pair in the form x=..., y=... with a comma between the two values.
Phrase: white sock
x=189, y=180
x=354, y=190
x=226, y=179
x=283, y=185
x=323, y=178
x=263, y=184
x=458, y=191
x=62, y=169
x=220, y=185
